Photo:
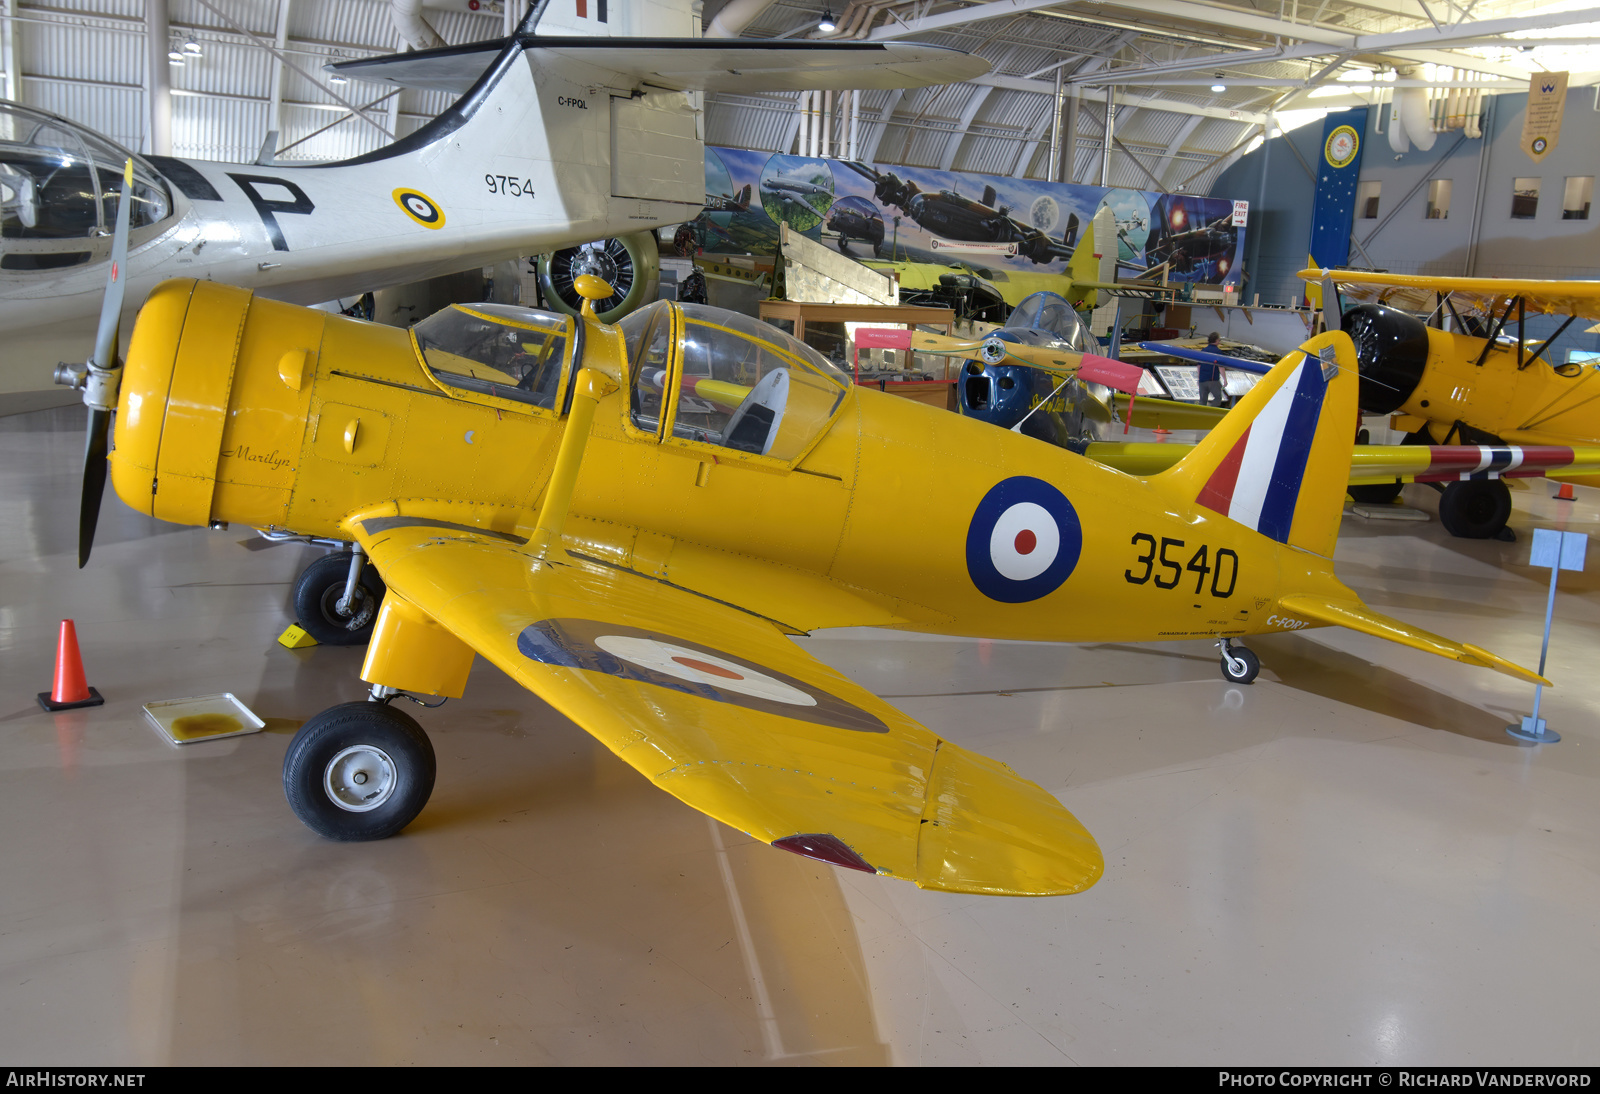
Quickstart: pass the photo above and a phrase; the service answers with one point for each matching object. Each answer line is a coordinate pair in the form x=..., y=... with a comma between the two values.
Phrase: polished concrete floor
x=1347, y=863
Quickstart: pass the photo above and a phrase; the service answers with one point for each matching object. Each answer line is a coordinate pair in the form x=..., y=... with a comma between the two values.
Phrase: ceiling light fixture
x=1219, y=88
x=191, y=47
x=336, y=78
x=175, y=55
x=826, y=24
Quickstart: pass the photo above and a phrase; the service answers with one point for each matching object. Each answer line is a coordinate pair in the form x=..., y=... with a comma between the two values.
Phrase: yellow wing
x=1411, y=292
x=1376, y=463
x=714, y=705
x=1151, y=412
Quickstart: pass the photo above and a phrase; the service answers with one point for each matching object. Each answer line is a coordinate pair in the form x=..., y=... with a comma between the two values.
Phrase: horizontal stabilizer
x=1357, y=616
x=692, y=64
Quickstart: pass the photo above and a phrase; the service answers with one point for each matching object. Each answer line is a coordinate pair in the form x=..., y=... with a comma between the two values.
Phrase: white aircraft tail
x=610, y=113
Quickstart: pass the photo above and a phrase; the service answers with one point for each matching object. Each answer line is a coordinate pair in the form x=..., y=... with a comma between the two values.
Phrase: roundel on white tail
x=419, y=207
x=1023, y=542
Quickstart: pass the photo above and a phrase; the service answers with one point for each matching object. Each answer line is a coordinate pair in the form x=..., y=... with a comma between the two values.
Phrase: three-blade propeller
x=101, y=378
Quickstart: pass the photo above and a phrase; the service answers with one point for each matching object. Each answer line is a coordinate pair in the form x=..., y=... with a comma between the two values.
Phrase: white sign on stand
x=1559, y=551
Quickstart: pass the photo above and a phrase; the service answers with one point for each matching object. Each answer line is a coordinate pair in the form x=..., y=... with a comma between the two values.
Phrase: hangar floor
x=1346, y=863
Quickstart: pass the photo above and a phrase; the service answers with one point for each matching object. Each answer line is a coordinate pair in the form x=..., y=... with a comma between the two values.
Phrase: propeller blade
x=1331, y=319
x=100, y=390
x=96, y=445
x=105, y=339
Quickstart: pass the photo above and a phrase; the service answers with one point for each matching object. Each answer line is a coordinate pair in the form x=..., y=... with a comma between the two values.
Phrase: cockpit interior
x=59, y=185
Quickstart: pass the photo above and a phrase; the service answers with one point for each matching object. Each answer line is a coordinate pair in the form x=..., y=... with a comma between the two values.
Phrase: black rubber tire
x=353, y=725
x=316, y=595
x=1252, y=666
x=1475, y=509
x=1376, y=493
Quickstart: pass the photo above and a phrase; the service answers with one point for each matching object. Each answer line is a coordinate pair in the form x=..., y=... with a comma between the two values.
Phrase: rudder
x=1279, y=463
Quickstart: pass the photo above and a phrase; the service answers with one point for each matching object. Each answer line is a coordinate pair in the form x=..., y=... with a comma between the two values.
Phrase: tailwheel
x=1239, y=665
x=359, y=771
x=1475, y=508
x=325, y=611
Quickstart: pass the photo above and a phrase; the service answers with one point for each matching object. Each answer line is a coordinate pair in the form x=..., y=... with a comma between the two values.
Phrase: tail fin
x=1279, y=463
x=1085, y=264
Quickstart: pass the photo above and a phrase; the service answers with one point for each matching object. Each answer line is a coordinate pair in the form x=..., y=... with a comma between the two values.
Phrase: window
x=1524, y=198
x=738, y=383
x=497, y=349
x=1576, y=197
x=1367, y=200
x=648, y=333
x=1438, y=199
x=63, y=182
x=747, y=386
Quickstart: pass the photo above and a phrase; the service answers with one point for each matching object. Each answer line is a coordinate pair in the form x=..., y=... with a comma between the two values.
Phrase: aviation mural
x=922, y=215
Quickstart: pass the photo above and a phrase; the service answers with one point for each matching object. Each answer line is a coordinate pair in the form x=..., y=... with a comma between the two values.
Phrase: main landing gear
x=1476, y=509
x=359, y=771
x=1239, y=665
x=336, y=598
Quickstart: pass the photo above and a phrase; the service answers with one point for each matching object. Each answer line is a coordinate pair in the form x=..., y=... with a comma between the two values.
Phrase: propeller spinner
x=101, y=376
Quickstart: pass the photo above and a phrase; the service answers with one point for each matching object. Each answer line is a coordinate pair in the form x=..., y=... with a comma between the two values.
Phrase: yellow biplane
x=1483, y=382
x=630, y=520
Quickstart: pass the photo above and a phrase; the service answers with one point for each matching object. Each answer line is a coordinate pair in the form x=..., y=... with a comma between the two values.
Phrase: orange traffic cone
x=1565, y=493
x=69, y=690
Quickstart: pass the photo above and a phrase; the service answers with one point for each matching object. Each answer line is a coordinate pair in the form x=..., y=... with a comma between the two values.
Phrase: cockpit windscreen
x=497, y=349
x=60, y=181
x=1049, y=312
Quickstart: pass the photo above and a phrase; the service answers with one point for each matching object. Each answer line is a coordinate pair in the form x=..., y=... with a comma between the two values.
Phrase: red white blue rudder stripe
x=1258, y=482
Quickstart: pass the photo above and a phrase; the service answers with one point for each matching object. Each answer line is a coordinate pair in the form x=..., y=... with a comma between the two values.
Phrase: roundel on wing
x=419, y=207
x=680, y=664
x=1023, y=542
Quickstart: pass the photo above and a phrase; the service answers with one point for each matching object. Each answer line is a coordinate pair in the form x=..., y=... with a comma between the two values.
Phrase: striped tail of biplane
x=1279, y=462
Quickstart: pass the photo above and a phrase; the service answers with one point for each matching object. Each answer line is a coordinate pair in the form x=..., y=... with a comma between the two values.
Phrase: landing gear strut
x=336, y=598
x=1239, y=665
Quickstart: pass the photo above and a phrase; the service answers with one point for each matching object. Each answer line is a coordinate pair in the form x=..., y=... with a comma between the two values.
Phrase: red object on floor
x=1565, y=493
x=70, y=688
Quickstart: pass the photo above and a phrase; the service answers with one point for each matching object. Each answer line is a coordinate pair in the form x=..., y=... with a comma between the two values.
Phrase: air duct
x=408, y=20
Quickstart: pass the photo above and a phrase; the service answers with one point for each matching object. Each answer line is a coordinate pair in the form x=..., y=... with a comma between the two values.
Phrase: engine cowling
x=1392, y=353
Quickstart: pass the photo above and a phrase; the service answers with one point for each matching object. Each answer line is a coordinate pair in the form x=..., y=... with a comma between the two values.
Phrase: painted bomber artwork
x=922, y=215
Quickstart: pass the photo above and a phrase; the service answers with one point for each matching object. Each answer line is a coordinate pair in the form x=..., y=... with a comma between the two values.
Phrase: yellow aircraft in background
x=1080, y=284
x=629, y=520
x=1490, y=388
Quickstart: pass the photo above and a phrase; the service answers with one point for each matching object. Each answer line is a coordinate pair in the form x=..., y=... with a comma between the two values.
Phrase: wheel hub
x=352, y=615
x=360, y=778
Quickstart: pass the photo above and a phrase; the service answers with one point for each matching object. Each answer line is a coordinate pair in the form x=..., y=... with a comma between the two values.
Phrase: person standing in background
x=1211, y=376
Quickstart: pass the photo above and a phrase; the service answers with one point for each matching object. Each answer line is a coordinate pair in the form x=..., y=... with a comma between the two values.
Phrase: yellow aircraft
x=1474, y=389
x=998, y=291
x=629, y=520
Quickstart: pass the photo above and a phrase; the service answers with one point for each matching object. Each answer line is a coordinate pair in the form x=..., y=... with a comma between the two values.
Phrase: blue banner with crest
x=1338, y=170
